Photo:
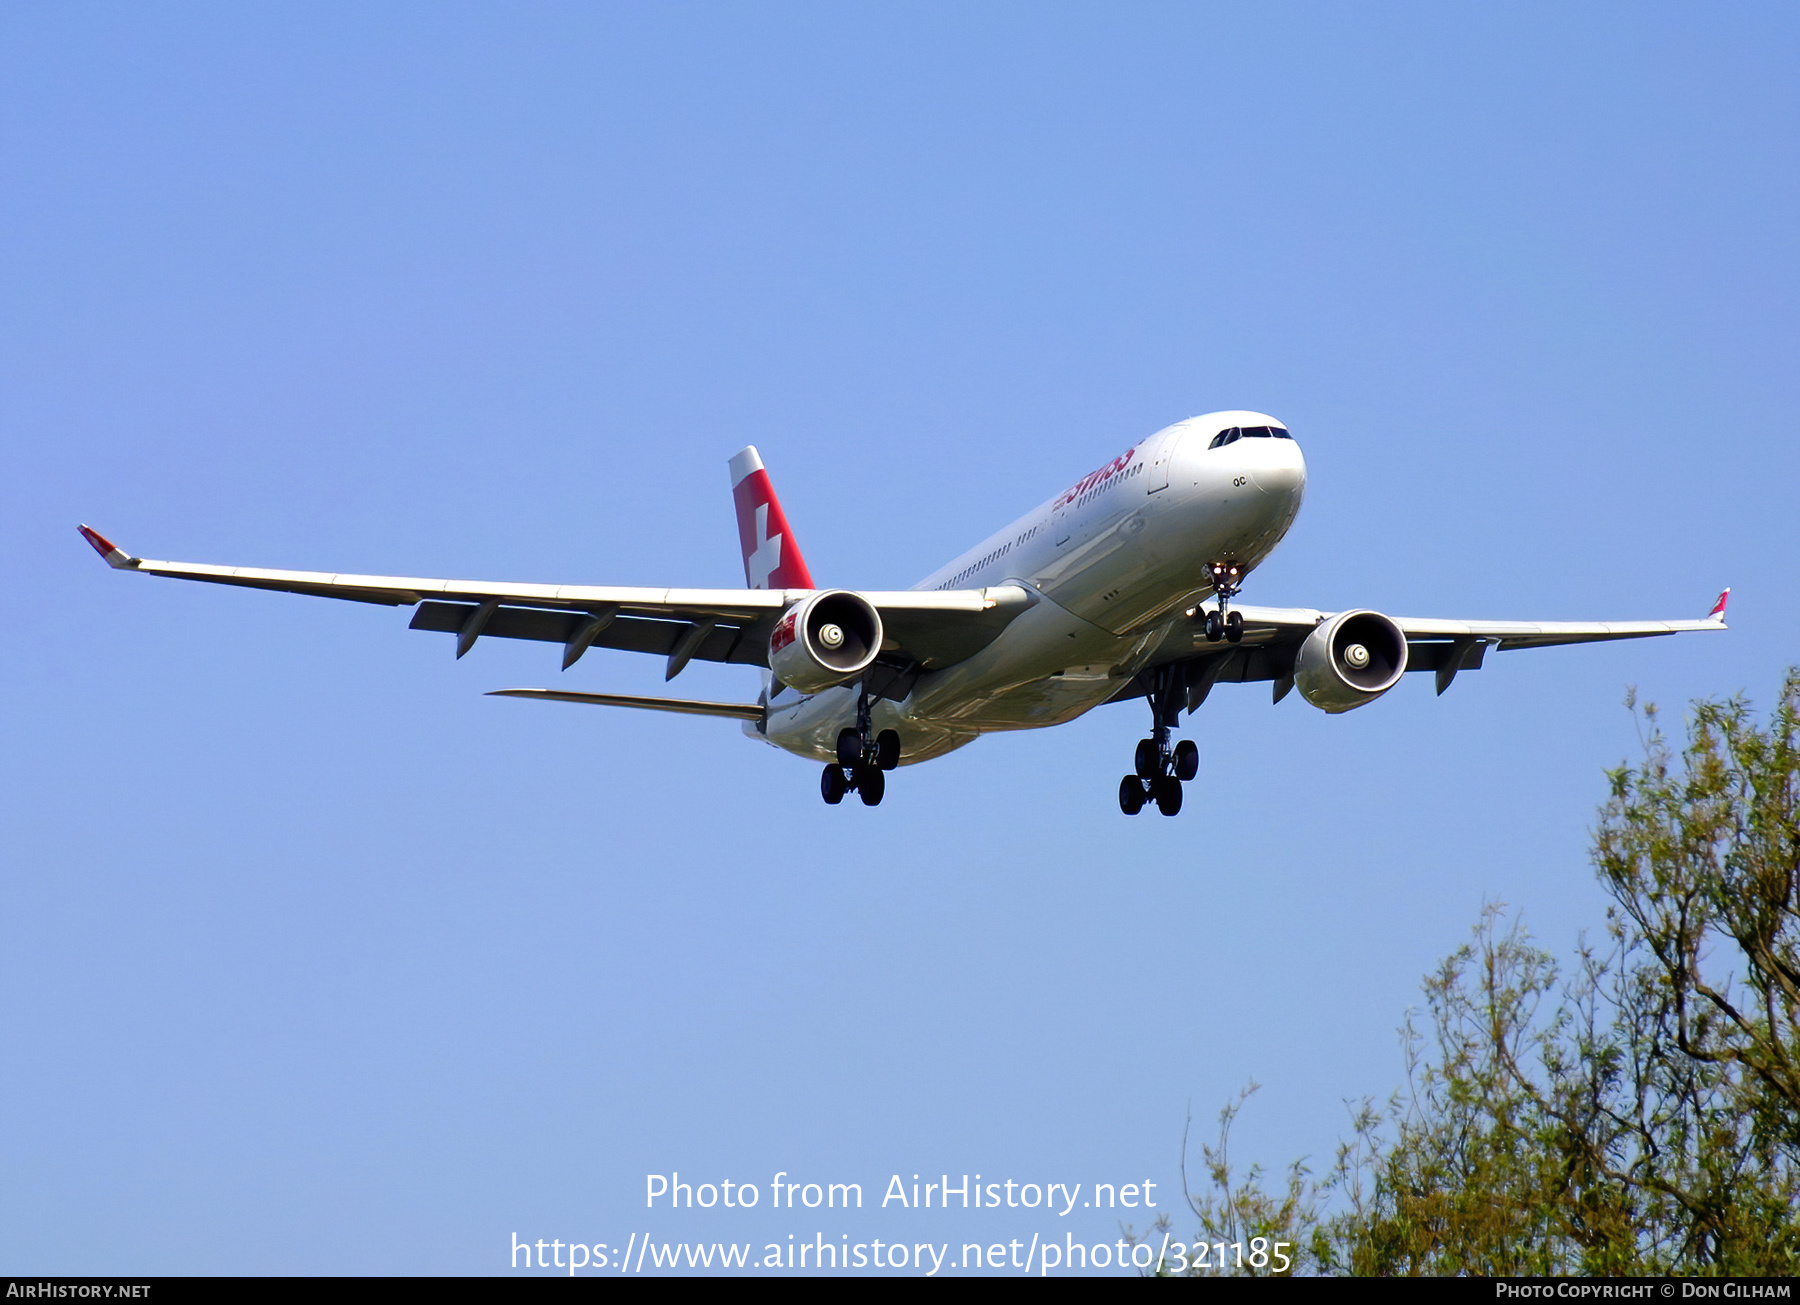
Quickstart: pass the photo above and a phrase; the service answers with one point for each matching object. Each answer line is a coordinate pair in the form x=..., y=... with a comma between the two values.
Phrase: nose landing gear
x=1226, y=578
x=862, y=760
x=1159, y=770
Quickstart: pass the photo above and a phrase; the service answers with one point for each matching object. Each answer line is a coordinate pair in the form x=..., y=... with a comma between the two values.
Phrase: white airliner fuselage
x=1122, y=587
x=1113, y=563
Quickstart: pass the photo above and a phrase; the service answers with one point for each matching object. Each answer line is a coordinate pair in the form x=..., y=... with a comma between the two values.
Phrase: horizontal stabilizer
x=686, y=706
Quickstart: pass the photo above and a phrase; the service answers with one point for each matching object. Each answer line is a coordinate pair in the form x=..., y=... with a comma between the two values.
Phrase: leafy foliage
x=1642, y=1116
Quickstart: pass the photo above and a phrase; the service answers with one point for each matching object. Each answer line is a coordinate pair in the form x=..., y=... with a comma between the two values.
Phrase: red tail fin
x=771, y=557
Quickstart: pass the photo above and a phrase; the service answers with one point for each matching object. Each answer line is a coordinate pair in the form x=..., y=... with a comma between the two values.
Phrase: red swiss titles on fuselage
x=1093, y=478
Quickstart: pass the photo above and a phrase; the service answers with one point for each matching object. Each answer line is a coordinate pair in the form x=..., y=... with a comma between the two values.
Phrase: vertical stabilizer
x=771, y=557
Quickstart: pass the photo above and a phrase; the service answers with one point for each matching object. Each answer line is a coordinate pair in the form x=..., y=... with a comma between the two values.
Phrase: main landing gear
x=862, y=760
x=1227, y=578
x=1160, y=770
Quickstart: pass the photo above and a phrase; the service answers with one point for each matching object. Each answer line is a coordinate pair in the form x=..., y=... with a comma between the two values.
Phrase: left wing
x=1276, y=624
x=1273, y=635
x=925, y=628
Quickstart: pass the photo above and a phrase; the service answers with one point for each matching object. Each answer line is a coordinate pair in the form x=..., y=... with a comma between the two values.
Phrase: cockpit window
x=1237, y=433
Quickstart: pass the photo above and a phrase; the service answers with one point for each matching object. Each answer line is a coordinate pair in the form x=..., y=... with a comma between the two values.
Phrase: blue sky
x=321, y=961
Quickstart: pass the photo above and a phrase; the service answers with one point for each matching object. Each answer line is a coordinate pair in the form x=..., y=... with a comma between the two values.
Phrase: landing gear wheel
x=870, y=785
x=1234, y=626
x=849, y=748
x=833, y=785
x=1215, y=627
x=1167, y=794
x=1131, y=795
x=1187, y=760
x=1148, y=761
x=887, y=749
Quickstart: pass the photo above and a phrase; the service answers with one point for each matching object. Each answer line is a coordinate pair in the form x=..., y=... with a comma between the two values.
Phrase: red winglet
x=114, y=555
x=1718, y=608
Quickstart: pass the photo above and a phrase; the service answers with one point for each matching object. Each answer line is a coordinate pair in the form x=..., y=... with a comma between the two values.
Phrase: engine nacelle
x=827, y=639
x=1350, y=660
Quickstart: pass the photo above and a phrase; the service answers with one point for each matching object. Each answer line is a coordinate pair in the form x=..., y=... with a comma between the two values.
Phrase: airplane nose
x=1279, y=469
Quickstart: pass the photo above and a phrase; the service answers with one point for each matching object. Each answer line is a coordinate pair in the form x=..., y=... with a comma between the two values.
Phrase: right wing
x=925, y=629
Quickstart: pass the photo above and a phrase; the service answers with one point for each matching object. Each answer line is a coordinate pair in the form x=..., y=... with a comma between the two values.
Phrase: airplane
x=1122, y=587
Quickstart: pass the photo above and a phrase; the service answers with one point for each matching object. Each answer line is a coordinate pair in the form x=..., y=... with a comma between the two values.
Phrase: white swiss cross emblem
x=762, y=563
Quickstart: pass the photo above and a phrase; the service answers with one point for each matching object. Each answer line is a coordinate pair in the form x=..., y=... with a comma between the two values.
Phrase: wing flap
x=724, y=643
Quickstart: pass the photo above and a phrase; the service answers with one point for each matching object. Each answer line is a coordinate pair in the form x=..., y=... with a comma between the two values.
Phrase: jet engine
x=1350, y=660
x=826, y=639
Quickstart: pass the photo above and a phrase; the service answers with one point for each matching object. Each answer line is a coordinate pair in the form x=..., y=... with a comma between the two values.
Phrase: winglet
x=1718, y=608
x=114, y=555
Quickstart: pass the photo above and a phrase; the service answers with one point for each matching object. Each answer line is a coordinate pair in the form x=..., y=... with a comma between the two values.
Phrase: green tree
x=1641, y=1116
